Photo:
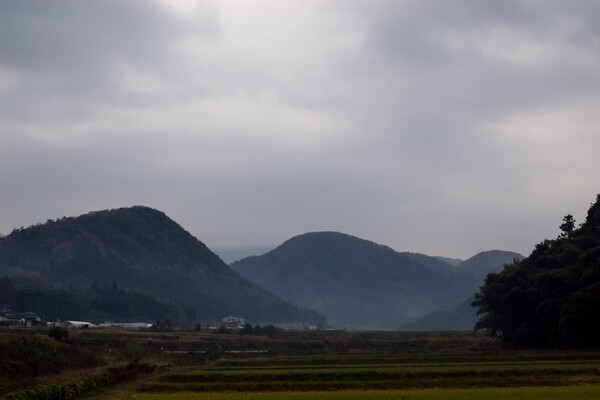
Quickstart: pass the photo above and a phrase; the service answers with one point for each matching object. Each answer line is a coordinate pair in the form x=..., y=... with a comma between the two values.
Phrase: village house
x=9, y=317
x=233, y=322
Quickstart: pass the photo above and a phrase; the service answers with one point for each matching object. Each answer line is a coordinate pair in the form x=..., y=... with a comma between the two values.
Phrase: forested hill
x=552, y=297
x=486, y=262
x=140, y=248
x=353, y=281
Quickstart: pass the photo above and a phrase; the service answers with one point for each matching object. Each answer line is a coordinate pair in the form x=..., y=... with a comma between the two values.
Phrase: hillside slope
x=461, y=318
x=487, y=262
x=140, y=248
x=458, y=314
x=353, y=282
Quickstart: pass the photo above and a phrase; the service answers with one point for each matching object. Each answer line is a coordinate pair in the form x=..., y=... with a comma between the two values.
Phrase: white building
x=233, y=322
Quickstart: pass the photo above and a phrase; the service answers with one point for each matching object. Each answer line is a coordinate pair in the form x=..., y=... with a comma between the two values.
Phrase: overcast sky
x=441, y=127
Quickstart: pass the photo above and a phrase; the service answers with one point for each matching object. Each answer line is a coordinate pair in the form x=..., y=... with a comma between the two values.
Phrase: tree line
x=97, y=302
x=552, y=297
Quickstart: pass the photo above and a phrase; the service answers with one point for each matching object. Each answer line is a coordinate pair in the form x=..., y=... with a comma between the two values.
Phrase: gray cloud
x=440, y=127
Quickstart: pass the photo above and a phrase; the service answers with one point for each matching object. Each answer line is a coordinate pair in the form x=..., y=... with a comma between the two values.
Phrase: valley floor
x=330, y=365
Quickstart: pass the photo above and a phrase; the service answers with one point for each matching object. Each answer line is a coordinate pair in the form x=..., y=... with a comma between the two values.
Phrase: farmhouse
x=233, y=322
x=8, y=317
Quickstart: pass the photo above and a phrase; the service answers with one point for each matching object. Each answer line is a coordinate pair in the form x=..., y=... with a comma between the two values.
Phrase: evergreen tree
x=568, y=226
x=552, y=297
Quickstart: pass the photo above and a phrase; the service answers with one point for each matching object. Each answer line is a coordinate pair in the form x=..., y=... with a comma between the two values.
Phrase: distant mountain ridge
x=359, y=283
x=355, y=282
x=485, y=262
x=140, y=248
x=231, y=254
x=452, y=261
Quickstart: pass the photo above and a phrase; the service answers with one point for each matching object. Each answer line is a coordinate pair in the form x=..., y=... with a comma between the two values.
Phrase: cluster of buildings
x=11, y=318
x=232, y=322
x=30, y=319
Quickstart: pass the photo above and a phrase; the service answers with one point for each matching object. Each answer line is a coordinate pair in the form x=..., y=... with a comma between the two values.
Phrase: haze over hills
x=462, y=318
x=353, y=282
x=362, y=284
x=140, y=248
x=452, y=261
x=460, y=315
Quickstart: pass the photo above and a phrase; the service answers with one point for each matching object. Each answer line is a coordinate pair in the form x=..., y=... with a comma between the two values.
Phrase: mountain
x=141, y=249
x=361, y=284
x=353, y=282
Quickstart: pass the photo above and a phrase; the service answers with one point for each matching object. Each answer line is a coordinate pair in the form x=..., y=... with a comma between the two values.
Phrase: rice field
x=519, y=393
x=338, y=365
x=577, y=379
